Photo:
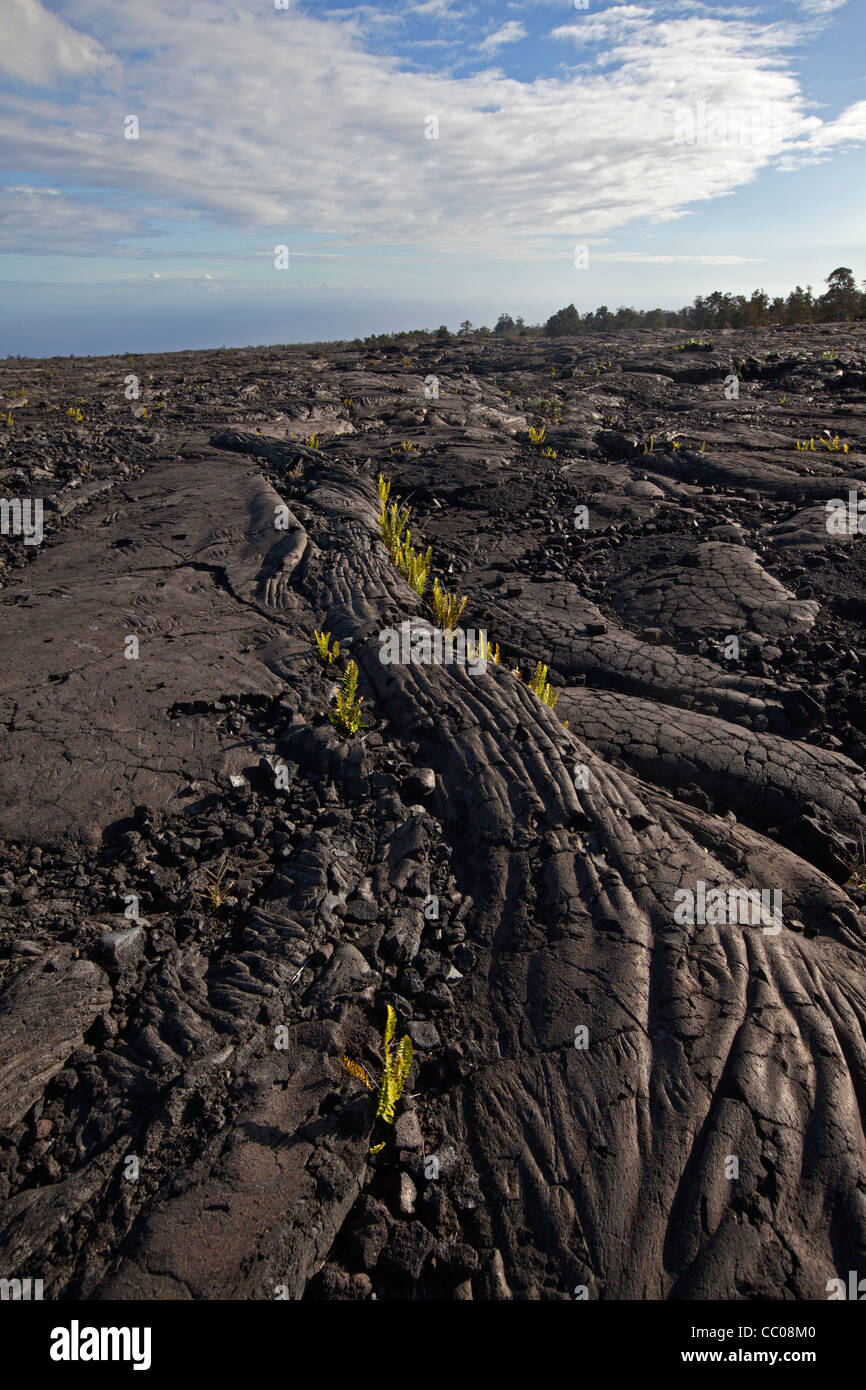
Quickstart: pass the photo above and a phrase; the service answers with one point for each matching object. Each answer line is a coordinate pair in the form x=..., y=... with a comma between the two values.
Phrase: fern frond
x=447, y=608
x=404, y=1062
x=385, y=1100
x=384, y=493
x=346, y=717
x=326, y=651
x=355, y=1069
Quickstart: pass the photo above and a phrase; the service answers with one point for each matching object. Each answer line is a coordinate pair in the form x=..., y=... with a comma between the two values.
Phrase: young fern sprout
x=834, y=446
x=540, y=685
x=415, y=567
x=447, y=608
x=485, y=652
x=346, y=716
x=328, y=653
x=393, y=521
x=857, y=878
x=397, y=1058
x=536, y=436
x=217, y=889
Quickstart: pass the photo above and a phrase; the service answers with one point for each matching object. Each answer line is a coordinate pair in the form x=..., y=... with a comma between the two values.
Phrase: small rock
x=407, y=1195
x=420, y=783
x=408, y=1250
x=122, y=949
x=407, y=1131
x=492, y=1279
x=425, y=1036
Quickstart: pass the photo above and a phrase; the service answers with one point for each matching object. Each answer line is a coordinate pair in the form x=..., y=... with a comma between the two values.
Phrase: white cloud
x=821, y=6
x=509, y=33
x=38, y=47
x=285, y=122
x=610, y=26
x=438, y=9
x=848, y=128
x=650, y=258
x=47, y=221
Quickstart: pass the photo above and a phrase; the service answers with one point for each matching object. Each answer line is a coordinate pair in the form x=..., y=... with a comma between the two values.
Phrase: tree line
x=842, y=301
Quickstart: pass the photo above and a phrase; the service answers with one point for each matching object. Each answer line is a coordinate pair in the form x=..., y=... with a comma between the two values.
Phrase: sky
x=198, y=173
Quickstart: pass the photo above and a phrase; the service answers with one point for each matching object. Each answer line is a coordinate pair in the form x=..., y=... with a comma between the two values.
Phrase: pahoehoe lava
x=603, y=1095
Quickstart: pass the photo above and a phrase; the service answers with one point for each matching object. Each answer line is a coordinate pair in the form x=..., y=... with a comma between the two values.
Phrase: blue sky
x=424, y=161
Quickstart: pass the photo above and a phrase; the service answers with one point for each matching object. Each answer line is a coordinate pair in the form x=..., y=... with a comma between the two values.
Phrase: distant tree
x=758, y=306
x=443, y=334
x=465, y=329
x=799, y=306
x=563, y=323
x=504, y=324
x=841, y=292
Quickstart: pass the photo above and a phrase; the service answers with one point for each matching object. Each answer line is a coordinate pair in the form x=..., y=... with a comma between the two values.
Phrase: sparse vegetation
x=393, y=521
x=328, y=653
x=833, y=445
x=415, y=566
x=488, y=654
x=550, y=409
x=540, y=686
x=397, y=1059
x=694, y=345
x=447, y=608
x=346, y=716
x=858, y=870
x=217, y=888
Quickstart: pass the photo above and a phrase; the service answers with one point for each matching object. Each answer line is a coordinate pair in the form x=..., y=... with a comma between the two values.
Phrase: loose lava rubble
x=175, y=1121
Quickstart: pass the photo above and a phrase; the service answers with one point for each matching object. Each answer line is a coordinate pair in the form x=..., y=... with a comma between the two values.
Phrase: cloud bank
x=285, y=122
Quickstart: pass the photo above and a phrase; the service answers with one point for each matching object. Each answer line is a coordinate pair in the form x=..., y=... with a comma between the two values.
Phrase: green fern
x=398, y=1060
x=346, y=717
x=540, y=685
x=397, y=1063
x=447, y=608
x=393, y=523
x=414, y=567
x=328, y=653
